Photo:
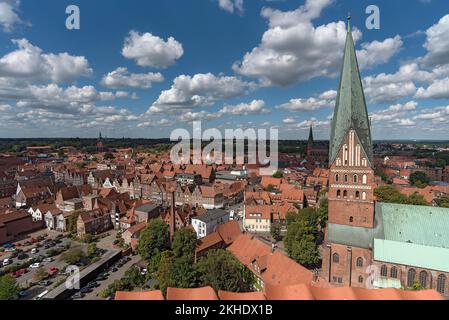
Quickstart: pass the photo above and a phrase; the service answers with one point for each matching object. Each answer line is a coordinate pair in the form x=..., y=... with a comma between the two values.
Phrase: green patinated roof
x=350, y=111
x=421, y=225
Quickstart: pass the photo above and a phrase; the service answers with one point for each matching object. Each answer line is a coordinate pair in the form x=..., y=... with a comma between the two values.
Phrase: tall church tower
x=351, y=178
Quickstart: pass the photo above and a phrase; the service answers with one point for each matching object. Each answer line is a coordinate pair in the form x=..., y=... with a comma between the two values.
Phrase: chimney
x=172, y=216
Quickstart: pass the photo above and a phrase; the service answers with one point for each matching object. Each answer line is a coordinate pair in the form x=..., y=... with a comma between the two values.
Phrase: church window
x=345, y=194
x=441, y=283
x=335, y=258
x=423, y=279
x=346, y=178
x=357, y=195
x=337, y=178
x=360, y=279
x=411, y=278
x=359, y=262
x=365, y=179
x=351, y=219
x=363, y=195
x=339, y=194
x=356, y=178
x=383, y=271
x=394, y=272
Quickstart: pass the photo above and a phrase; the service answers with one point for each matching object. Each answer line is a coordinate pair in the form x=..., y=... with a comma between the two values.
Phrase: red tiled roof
x=244, y=296
x=229, y=231
x=135, y=296
x=197, y=294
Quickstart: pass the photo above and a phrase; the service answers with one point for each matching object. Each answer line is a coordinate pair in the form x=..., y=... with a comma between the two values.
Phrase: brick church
x=367, y=243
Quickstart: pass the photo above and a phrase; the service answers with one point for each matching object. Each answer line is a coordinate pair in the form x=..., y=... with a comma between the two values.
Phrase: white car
x=35, y=265
x=48, y=260
x=6, y=262
x=33, y=251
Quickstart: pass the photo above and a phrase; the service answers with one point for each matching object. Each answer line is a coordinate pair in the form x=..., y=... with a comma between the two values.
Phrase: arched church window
x=356, y=178
x=336, y=258
x=441, y=283
x=346, y=178
x=337, y=178
x=338, y=194
x=394, y=272
x=359, y=262
x=351, y=219
x=360, y=279
x=411, y=278
x=383, y=271
x=345, y=194
x=363, y=195
x=365, y=179
x=423, y=279
x=357, y=195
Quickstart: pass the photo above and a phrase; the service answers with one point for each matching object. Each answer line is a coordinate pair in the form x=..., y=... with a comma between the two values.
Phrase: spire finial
x=349, y=22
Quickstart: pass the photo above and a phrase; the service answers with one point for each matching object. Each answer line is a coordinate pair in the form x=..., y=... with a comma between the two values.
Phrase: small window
x=423, y=279
x=359, y=262
x=394, y=272
x=337, y=178
x=383, y=271
x=345, y=194
x=411, y=278
x=336, y=258
x=357, y=195
x=351, y=219
x=360, y=279
x=356, y=178
x=365, y=179
x=339, y=194
x=441, y=284
x=346, y=178
x=363, y=195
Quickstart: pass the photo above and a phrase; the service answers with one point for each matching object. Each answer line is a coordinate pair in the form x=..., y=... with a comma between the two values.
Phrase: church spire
x=350, y=110
x=311, y=134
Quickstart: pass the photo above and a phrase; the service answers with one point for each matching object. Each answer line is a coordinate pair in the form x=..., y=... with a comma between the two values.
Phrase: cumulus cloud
x=231, y=6
x=8, y=14
x=197, y=116
x=294, y=50
x=122, y=78
x=28, y=62
x=152, y=51
x=325, y=100
x=439, y=89
x=254, y=107
x=394, y=112
x=198, y=91
x=437, y=43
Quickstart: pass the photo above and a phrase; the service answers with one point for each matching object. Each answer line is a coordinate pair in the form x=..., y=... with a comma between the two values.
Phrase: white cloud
x=375, y=53
x=289, y=121
x=394, y=113
x=122, y=78
x=152, y=51
x=8, y=14
x=294, y=50
x=437, y=43
x=197, y=116
x=254, y=107
x=198, y=91
x=439, y=89
x=231, y=6
x=28, y=62
x=325, y=100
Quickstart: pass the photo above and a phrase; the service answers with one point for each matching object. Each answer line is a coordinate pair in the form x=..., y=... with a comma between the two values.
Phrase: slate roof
x=350, y=111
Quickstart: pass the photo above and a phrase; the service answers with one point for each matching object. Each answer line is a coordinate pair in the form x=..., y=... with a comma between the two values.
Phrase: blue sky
x=143, y=68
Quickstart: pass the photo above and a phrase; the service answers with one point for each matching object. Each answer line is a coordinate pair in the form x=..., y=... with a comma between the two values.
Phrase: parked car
x=6, y=262
x=78, y=295
x=53, y=270
x=50, y=259
x=22, y=256
x=114, y=269
x=35, y=265
x=93, y=284
x=86, y=290
x=44, y=283
x=34, y=251
x=23, y=294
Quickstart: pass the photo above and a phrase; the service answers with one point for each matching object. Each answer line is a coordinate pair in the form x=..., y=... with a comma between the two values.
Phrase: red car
x=53, y=270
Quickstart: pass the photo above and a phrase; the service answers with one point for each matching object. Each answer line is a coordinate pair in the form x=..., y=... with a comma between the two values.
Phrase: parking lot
x=25, y=251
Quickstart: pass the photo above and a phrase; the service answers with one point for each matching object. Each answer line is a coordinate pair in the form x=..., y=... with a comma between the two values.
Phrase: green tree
x=270, y=188
x=88, y=238
x=301, y=243
x=390, y=194
x=8, y=288
x=275, y=231
x=278, y=175
x=443, y=202
x=183, y=273
x=73, y=256
x=419, y=179
x=164, y=271
x=41, y=274
x=184, y=243
x=91, y=249
x=153, y=241
x=222, y=271
x=417, y=200
x=133, y=278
